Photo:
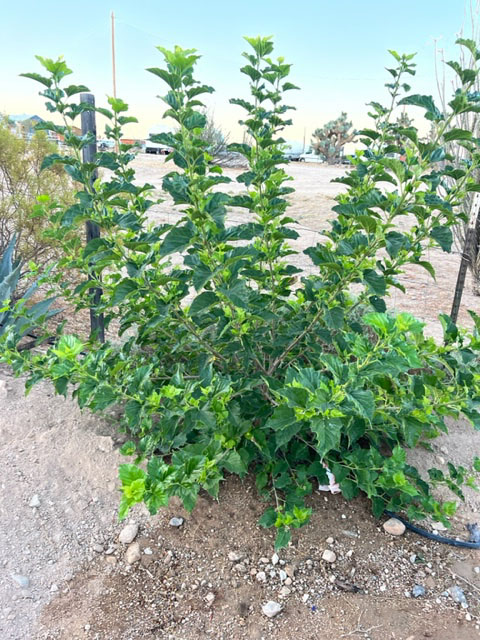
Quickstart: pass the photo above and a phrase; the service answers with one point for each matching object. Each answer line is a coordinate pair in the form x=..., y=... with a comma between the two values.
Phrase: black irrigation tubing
x=434, y=536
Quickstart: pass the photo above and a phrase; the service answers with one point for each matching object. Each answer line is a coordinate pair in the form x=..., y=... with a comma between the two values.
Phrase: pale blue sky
x=338, y=49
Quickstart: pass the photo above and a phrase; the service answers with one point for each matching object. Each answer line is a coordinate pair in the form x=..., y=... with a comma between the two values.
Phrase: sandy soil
x=63, y=572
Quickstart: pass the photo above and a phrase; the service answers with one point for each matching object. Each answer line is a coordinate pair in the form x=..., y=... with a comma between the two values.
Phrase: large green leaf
x=327, y=433
x=376, y=282
x=124, y=289
x=363, y=401
x=426, y=102
x=203, y=302
x=443, y=236
x=177, y=239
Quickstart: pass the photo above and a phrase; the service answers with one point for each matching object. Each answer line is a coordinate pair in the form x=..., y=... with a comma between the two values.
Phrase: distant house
x=23, y=126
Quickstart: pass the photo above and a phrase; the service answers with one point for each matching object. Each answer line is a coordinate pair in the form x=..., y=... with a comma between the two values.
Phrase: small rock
x=128, y=533
x=22, y=581
x=87, y=627
x=271, y=609
x=275, y=559
x=264, y=560
x=456, y=593
x=394, y=527
x=290, y=570
x=133, y=554
x=240, y=568
x=235, y=556
x=283, y=575
x=476, y=569
x=468, y=617
x=147, y=551
x=176, y=522
x=98, y=548
x=413, y=558
x=54, y=588
x=474, y=531
x=284, y=592
x=418, y=591
x=35, y=501
x=329, y=556
x=3, y=388
x=305, y=597
x=330, y=540
x=288, y=582
x=430, y=582
x=210, y=597
x=439, y=526
x=261, y=576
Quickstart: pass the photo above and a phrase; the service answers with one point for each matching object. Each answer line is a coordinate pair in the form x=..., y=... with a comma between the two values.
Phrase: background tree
x=21, y=182
x=330, y=140
x=458, y=154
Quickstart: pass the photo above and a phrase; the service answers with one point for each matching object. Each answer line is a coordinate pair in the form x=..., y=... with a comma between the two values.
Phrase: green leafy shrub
x=223, y=361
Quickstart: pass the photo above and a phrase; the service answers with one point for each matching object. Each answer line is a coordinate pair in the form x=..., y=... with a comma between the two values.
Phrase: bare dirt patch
x=59, y=532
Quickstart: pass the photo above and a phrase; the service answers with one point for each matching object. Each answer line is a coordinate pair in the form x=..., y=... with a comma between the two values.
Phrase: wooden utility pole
x=89, y=125
x=113, y=57
x=471, y=237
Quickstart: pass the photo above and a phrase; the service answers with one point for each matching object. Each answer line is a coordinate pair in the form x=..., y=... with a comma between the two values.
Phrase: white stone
x=54, y=588
x=261, y=576
x=476, y=569
x=210, y=597
x=394, y=527
x=330, y=540
x=264, y=560
x=329, y=556
x=128, y=533
x=147, y=551
x=288, y=582
x=176, y=522
x=271, y=609
x=283, y=575
x=439, y=526
x=284, y=592
x=35, y=501
x=133, y=554
x=235, y=556
x=275, y=559
x=305, y=597
x=22, y=581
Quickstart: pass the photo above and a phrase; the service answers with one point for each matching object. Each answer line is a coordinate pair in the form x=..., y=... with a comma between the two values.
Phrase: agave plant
x=19, y=319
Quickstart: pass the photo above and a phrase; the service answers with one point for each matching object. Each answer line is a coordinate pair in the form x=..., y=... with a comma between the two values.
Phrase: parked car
x=292, y=156
x=310, y=156
x=157, y=148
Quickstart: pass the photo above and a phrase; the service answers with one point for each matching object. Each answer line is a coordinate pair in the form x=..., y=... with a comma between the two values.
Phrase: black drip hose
x=434, y=536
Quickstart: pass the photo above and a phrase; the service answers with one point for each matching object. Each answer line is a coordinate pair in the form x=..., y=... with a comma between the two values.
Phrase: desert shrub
x=21, y=182
x=224, y=362
x=20, y=318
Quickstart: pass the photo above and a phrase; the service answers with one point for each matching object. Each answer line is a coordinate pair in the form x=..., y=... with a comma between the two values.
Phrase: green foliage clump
x=329, y=141
x=230, y=360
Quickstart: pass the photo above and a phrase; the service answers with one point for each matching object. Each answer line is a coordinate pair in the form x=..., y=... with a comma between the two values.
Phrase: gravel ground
x=65, y=574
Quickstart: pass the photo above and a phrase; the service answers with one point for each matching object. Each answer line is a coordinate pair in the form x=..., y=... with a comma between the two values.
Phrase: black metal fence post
x=89, y=125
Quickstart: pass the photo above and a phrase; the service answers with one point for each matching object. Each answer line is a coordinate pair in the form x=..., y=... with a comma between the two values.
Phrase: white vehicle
x=157, y=147
x=310, y=156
